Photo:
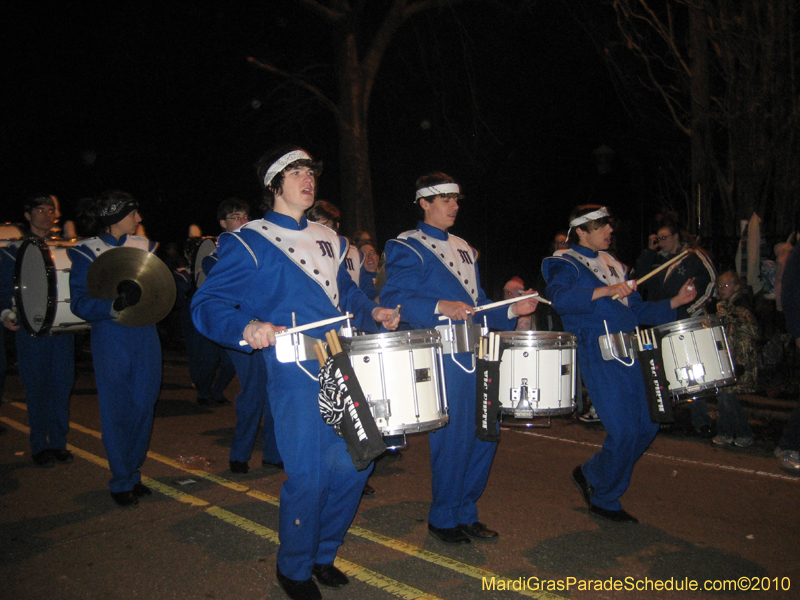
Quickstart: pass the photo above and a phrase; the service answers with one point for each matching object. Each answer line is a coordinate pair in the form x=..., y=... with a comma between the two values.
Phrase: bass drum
x=41, y=288
x=196, y=249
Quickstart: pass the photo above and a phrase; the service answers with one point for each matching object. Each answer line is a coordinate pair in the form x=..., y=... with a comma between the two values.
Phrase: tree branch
x=299, y=82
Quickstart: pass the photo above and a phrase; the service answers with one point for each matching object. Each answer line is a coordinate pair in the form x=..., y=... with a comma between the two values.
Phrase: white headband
x=280, y=164
x=596, y=214
x=437, y=190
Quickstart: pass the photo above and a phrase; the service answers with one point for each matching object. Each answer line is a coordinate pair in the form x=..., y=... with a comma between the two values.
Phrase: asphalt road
x=708, y=515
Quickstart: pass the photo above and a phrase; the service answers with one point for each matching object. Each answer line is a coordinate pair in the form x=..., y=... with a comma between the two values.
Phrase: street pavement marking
x=792, y=478
x=371, y=578
x=358, y=573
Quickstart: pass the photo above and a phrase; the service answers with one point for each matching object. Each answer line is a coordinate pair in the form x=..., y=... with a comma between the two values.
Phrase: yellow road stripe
x=371, y=578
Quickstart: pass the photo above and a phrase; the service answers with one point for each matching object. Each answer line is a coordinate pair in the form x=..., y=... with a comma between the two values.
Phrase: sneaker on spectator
x=590, y=416
x=743, y=442
x=721, y=440
x=790, y=459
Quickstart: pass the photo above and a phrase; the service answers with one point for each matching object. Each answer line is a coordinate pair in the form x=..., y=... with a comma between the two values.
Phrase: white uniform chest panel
x=315, y=249
x=607, y=269
x=455, y=254
x=352, y=262
x=98, y=246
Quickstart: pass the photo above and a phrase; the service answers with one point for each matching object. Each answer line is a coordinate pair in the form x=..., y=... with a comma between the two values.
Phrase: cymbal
x=146, y=269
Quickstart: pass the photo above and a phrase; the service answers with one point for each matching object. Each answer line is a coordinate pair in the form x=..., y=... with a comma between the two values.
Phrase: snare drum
x=196, y=249
x=41, y=283
x=401, y=376
x=697, y=359
x=537, y=373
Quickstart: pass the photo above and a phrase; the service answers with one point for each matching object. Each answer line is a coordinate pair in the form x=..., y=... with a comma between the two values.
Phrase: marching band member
x=127, y=360
x=252, y=402
x=431, y=273
x=269, y=271
x=47, y=363
x=328, y=214
x=581, y=282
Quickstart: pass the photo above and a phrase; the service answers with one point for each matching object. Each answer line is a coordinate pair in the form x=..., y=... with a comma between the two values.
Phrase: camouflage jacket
x=742, y=330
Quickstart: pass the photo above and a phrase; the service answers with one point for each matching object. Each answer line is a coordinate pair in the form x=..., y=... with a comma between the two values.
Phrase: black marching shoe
x=298, y=590
x=450, y=535
x=266, y=463
x=479, y=532
x=44, y=459
x=238, y=466
x=63, y=456
x=125, y=498
x=585, y=488
x=616, y=516
x=329, y=576
x=141, y=489
x=368, y=490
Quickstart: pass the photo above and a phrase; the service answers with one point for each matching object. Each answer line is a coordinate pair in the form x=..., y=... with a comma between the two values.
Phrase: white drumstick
x=502, y=303
x=306, y=327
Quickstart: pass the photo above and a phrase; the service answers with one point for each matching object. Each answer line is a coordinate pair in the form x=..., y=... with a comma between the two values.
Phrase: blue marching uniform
x=46, y=368
x=252, y=403
x=269, y=269
x=617, y=391
x=424, y=266
x=127, y=366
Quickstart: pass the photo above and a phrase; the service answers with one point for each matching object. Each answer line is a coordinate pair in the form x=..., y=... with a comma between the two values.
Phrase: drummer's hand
x=10, y=321
x=261, y=335
x=384, y=317
x=686, y=294
x=455, y=310
x=624, y=289
x=525, y=307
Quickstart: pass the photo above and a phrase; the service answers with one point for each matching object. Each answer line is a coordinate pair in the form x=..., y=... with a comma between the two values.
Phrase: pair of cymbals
x=147, y=270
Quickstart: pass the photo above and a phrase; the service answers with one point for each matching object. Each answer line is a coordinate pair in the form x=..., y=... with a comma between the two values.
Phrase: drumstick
x=395, y=312
x=320, y=355
x=337, y=344
x=323, y=350
x=657, y=270
x=306, y=327
x=331, y=345
x=502, y=303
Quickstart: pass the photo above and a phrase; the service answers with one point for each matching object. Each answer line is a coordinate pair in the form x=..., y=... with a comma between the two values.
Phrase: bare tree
x=726, y=72
x=359, y=48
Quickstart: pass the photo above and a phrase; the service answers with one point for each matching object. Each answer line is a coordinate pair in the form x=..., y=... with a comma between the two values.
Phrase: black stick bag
x=487, y=400
x=343, y=405
x=659, y=401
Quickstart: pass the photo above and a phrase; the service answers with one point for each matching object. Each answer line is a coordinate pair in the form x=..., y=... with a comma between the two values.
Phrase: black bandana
x=119, y=210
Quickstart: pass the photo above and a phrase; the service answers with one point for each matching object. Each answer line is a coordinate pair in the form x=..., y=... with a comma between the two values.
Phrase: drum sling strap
x=343, y=405
x=487, y=400
x=659, y=401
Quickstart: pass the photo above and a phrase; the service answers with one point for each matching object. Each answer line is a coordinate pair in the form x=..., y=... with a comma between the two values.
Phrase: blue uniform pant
x=251, y=403
x=618, y=395
x=321, y=495
x=127, y=363
x=47, y=371
x=460, y=462
x=216, y=369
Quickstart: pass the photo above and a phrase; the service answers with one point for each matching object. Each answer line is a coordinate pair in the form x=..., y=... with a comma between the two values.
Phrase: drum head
x=686, y=325
x=35, y=287
x=393, y=340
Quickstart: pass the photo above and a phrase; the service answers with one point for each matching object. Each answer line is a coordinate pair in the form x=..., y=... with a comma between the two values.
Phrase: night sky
x=158, y=99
